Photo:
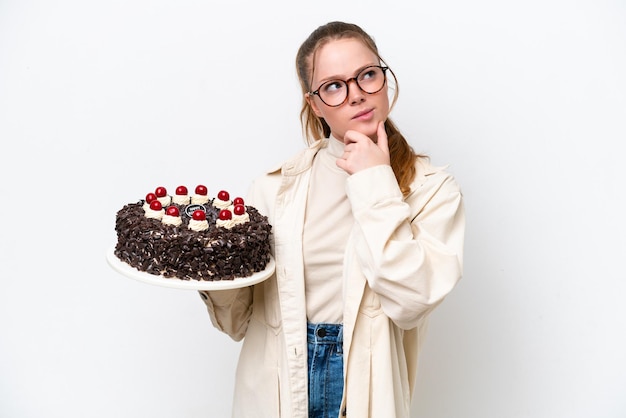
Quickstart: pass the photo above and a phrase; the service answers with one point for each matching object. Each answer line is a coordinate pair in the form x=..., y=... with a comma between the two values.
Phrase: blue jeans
x=325, y=361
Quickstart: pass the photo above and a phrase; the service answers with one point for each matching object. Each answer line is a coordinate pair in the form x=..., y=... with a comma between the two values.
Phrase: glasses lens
x=334, y=92
x=371, y=79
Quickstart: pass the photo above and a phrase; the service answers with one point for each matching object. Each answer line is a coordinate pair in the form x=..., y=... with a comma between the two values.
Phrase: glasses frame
x=347, y=82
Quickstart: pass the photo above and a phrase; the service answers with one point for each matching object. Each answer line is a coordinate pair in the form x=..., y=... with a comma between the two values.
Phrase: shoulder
x=433, y=185
x=429, y=175
x=298, y=162
x=268, y=183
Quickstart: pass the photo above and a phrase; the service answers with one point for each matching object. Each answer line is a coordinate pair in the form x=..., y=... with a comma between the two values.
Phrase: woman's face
x=341, y=60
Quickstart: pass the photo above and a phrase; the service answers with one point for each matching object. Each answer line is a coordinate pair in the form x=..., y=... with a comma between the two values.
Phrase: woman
x=368, y=240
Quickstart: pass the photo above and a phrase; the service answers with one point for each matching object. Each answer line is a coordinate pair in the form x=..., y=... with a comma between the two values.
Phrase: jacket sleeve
x=409, y=249
x=229, y=310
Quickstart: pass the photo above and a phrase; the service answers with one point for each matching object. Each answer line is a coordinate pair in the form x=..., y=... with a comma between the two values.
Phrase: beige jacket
x=404, y=255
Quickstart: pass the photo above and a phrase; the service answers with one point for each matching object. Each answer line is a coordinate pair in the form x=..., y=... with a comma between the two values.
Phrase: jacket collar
x=302, y=161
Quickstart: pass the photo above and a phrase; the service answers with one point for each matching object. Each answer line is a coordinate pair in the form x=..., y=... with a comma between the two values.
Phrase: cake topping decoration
x=240, y=215
x=239, y=209
x=149, y=198
x=189, y=210
x=223, y=200
x=201, y=197
x=155, y=211
x=172, y=211
x=172, y=216
x=198, y=221
x=161, y=194
x=201, y=190
x=225, y=219
x=181, y=197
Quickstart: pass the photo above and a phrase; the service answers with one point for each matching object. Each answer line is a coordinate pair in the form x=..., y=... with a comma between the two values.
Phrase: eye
x=369, y=73
x=332, y=87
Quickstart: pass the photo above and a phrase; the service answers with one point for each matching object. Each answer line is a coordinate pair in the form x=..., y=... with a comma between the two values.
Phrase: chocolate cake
x=193, y=237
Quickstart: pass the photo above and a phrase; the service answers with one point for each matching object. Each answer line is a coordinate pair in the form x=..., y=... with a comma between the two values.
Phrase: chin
x=370, y=130
x=373, y=134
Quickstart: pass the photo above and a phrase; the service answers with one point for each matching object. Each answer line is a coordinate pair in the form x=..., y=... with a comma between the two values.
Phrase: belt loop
x=340, y=340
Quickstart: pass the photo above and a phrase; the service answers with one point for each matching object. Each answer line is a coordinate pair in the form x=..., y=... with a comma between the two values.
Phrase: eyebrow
x=338, y=77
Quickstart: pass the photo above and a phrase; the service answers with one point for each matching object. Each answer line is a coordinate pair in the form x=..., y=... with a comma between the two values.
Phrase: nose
x=355, y=94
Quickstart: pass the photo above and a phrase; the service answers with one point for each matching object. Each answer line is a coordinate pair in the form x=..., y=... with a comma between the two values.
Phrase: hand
x=360, y=152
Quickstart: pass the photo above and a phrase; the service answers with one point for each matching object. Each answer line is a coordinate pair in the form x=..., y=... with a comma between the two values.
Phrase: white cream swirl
x=221, y=204
x=241, y=219
x=171, y=220
x=165, y=200
x=199, y=199
x=180, y=199
x=155, y=214
x=225, y=223
x=198, y=226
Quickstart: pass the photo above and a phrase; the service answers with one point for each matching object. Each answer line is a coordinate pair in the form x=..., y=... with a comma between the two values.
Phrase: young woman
x=367, y=239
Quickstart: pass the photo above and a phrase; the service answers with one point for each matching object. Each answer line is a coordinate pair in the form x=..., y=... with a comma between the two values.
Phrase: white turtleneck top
x=327, y=224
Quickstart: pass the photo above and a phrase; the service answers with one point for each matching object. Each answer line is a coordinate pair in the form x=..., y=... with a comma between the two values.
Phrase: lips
x=362, y=113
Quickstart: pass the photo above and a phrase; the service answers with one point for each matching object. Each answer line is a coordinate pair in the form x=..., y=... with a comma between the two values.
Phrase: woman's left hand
x=360, y=152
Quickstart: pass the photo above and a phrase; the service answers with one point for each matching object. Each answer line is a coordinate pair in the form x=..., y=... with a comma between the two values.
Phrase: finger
x=350, y=137
x=343, y=164
x=382, y=142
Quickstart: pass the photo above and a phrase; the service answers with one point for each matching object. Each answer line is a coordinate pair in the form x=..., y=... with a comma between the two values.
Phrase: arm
x=410, y=250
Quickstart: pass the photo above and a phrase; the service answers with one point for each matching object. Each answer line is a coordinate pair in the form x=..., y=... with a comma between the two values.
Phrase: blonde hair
x=402, y=155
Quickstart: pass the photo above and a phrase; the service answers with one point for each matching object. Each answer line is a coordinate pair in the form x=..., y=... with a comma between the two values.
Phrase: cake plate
x=131, y=272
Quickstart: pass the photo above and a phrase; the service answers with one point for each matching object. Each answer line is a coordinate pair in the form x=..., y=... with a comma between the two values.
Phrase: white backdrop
x=102, y=101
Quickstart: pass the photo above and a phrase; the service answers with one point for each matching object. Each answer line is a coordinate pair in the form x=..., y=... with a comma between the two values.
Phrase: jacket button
x=321, y=332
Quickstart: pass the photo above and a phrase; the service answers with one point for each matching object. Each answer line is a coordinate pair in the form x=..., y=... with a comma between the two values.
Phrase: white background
x=101, y=102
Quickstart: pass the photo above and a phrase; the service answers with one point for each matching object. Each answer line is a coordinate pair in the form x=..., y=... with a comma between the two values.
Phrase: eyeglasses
x=335, y=92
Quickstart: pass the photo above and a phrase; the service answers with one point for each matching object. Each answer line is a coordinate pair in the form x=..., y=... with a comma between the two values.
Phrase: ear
x=311, y=101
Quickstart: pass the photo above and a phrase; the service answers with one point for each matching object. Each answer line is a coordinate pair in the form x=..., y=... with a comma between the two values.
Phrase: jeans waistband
x=325, y=333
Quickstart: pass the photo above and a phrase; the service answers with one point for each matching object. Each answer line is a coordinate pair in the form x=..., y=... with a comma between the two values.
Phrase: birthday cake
x=192, y=236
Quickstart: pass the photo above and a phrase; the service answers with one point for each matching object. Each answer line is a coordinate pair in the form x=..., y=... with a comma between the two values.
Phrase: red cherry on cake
x=181, y=191
x=156, y=205
x=239, y=209
x=223, y=195
x=225, y=215
x=201, y=190
x=199, y=215
x=150, y=197
x=160, y=191
x=238, y=201
x=172, y=211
